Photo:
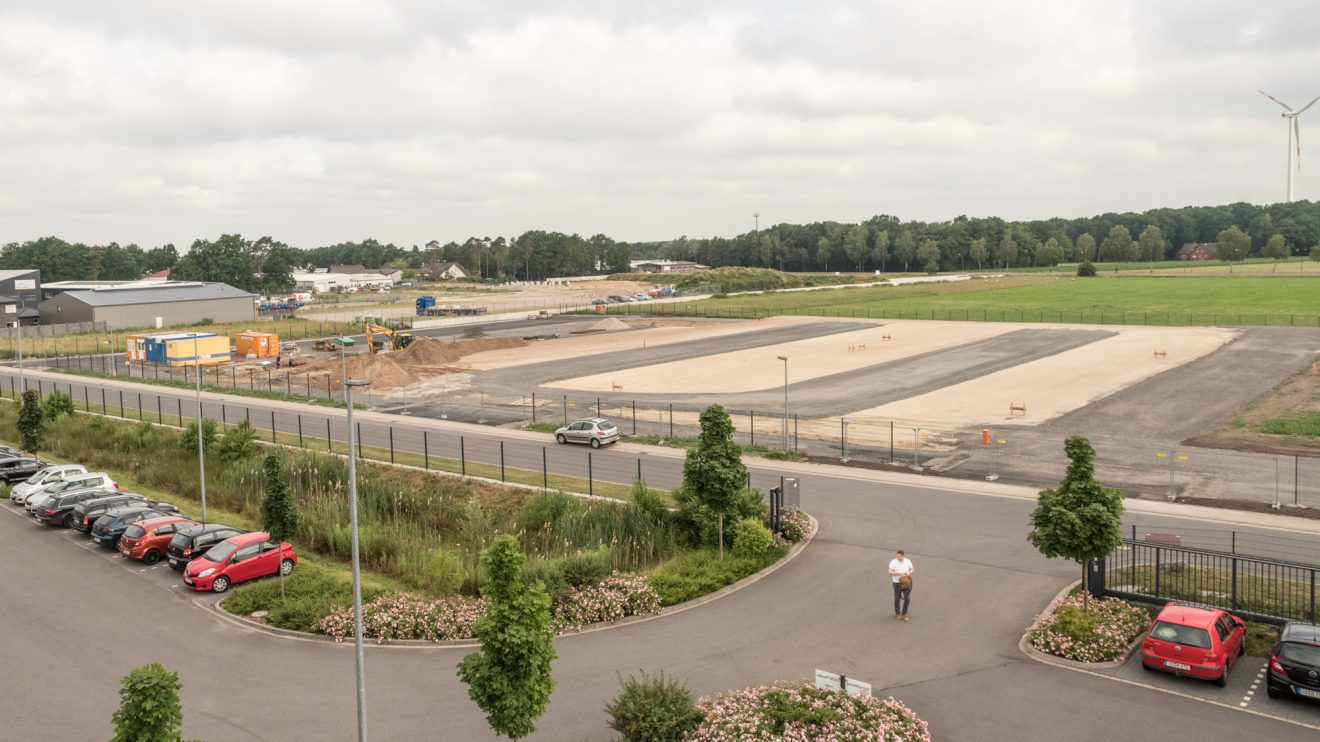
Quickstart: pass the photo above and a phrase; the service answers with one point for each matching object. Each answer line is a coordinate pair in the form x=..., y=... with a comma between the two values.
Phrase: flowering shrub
x=407, y=616
x=805, y=712
x=1098, y=634
x=794, y=526
x=615, y=597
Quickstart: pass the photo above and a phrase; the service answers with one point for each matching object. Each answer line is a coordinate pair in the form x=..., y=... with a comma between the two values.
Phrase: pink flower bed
x=794, y=526
x=805, y=712
x=406, y=616
x=1098, y=634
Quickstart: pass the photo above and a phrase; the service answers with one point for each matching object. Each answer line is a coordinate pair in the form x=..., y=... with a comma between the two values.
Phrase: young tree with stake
x=279, y=515
x=714, y=470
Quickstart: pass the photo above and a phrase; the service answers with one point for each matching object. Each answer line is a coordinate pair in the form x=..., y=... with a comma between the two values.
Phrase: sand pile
x=381, y=370
x=428, y=352
x=612, y=323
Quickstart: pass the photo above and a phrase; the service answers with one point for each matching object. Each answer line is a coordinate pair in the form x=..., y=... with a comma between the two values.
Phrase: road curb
x=243, y=622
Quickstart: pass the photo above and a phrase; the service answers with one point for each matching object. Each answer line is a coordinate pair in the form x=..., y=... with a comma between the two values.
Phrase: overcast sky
x=319, y=121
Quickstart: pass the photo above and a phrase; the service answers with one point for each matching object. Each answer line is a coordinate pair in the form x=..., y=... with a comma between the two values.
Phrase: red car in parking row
x=1195, y=641
x=237, y=559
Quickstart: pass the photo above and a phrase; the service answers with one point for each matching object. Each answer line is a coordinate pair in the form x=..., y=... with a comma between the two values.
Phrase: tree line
x=881, y=242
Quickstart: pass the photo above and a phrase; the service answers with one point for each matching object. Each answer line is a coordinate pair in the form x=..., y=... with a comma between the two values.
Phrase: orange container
x=259, y=344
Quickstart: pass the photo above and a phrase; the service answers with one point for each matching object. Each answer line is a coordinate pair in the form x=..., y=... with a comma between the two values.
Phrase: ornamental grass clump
x=806, y=713
x=1088, y=631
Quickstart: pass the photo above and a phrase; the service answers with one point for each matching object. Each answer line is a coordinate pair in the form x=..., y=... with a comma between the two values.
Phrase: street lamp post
x=201, y=448
x=18, y=320
x=785, y=360
x=357, y=570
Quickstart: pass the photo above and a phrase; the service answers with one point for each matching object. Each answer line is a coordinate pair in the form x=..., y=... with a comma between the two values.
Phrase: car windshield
x=134, y=531
x=219, y=552
x=606, y=425
x=1179, y=634
x=37, y=478
x=1302, y=654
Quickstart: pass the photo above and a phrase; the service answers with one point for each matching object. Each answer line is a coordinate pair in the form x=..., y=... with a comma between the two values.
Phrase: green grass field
x=1122, y=299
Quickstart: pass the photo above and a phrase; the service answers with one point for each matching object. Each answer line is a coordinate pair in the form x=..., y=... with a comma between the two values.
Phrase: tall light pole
x=785, y=360
x=357, y=570
x=18, y=320
x=201, y=448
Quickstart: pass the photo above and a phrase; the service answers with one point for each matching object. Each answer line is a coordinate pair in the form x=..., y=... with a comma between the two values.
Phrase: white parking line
x=1255, y=685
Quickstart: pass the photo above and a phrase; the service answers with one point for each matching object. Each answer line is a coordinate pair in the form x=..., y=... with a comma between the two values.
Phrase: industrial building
x=323, y=282
x=20, y=292
x=153, y=304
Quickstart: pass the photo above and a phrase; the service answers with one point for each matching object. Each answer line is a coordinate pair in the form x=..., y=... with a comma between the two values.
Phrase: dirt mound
x=382, y=370
x=428, y=352
x=613, y=323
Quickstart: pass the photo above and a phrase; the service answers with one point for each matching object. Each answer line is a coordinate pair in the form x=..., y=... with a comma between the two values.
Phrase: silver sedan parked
x=595, y=431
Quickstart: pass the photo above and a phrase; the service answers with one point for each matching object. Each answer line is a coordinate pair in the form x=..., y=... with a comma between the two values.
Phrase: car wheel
x=68, y=520
x=151, y=557
x=595, y=443
x=220, y=585
x=1146, y=667
x=286, y=566
x=1222, y=680
x=561, y=438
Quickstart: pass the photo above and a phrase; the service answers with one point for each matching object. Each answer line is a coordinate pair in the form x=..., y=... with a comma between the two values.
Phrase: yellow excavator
x=397, y=340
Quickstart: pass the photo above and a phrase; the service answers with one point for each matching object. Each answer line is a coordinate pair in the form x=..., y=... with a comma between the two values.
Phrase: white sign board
x=826, y=680
x=25, y=283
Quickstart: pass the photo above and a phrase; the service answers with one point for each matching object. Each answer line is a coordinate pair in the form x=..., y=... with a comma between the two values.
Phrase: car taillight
x=600, y=432
x=86, y=521
x=186, y=552
x=115, y=484
x=1211, y=656
x=49, y=511
x=1275, y=666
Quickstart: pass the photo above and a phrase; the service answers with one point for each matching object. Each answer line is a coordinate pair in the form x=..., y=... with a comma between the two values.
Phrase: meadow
x=1129, y=298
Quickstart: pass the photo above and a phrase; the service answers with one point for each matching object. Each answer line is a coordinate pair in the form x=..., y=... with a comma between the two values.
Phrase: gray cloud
x=411, y=120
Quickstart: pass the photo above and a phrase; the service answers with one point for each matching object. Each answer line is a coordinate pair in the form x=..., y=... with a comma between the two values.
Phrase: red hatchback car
x=1194, y=641
x=147, y=539
x=236, y=559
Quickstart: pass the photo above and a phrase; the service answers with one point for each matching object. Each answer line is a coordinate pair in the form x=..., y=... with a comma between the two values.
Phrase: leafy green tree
x=854, y=245
x=188, y=441
x=1086, y=269
x=149, y=709
x=653, y=708
x=1232, y=245
x=56, y=404
x=905, y=248
x=226, y=260
x=238, y=443
x=509, y=677
x=824, y=251
x=1081, y=520
x=1315, y=253
x=978, y=252
x=1276, y=249
x=1085, y=248
x=1117, y=245
x=929, y=256
x=880, y=250
x=713, y=470
x=1050, y=253
x=1006, y=251
x=279, y=514
x=31, y=421
x=1151, y=244
x=160, y=258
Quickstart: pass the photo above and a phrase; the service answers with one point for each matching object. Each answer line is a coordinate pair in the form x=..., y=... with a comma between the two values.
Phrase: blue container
x=157, y=346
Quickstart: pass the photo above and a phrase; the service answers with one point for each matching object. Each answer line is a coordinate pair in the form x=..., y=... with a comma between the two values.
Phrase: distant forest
x=879, y=243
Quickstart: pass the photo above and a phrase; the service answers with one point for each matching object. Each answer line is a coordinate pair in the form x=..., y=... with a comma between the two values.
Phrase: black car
x=18, y=468
x=86, y=512
x=1295, y=662
x=111, y=526
x=193, y=541
x=59, y=510
x=11, y=451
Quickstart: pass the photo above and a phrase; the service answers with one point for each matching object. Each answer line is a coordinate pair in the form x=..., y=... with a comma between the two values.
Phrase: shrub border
x=1024, y=644
x=247, y=623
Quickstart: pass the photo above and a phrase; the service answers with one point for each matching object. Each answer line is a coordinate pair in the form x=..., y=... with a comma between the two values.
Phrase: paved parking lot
x=1245, y=690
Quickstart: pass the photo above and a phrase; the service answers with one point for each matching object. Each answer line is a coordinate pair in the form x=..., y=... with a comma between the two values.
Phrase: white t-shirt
x=901, y=566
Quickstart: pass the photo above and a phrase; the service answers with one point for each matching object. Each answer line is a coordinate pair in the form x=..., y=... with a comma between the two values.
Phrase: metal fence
x=69, y=328
x=1261, y=589
x=1243, y=543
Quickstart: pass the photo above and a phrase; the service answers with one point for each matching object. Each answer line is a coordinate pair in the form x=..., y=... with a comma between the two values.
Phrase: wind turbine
x=1290, y=120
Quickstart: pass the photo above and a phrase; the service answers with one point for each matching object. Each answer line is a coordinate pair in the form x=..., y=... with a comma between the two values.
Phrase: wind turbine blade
x=1286, y=107
x=1308, y=105
x=1297, y=137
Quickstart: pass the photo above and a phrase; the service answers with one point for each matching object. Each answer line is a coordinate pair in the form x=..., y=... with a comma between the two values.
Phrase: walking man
x=901, y=569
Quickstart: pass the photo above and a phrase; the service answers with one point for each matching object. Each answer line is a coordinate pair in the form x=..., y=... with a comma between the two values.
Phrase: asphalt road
x=80, y=621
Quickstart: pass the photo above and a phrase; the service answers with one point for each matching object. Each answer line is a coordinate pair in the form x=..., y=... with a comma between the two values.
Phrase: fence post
x=121, y=402
x=160, y=416
x=462, y=457
x=634, y=411
x=639, y=469
x=328, y=445
x=272, y=426
x=566, y=409
x=359, y=441
x=1157, y=571
x=177, y=399
x=545, y=471
x=533, y=408
x=300, y=437
x=87, y=405
x=843, y=439
x=671, y=419
x=597, y=406
x=752, y=419
x=795, y=440
x=591, y=478
x=501, y=461
x=426, y=451
x=139, y=406
x=1233, y=594
x=391, y=444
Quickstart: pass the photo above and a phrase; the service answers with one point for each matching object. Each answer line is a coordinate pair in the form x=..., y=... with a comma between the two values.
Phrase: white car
x=96, y=480
x=44, y=478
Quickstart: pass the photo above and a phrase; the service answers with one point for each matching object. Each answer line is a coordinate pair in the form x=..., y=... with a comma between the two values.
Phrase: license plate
x=97, y=539
x=175, y=562
x=1177, y=665
x=1308, y=693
